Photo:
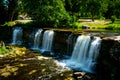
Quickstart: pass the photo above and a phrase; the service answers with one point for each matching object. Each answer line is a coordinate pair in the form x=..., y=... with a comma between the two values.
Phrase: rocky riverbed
x=23, y=64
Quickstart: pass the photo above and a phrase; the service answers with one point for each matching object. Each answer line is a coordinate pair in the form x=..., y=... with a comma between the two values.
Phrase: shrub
x=3, y=48
x=10, y=24
x=49, y=13
x=77, y=25
x=113, y=27
x=113, y=18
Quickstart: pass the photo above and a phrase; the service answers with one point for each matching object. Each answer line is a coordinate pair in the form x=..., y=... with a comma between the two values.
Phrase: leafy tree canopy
x=47, y=13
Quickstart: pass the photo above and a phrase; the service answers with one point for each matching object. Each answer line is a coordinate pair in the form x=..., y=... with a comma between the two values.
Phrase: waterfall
x=93, y=53
x=70, y=43
x=47, y=40
x=37, y=39
x=85, y=53
x=17, y=36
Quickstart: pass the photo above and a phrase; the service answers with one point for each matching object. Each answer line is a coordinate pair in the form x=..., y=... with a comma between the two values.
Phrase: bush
x=49, y=13
x=10, y=24
x=77, y=25
x=113, y=18
x=3, y=48
x=113, y=27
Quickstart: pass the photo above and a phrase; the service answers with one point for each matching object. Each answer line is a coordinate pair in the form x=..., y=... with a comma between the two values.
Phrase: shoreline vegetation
x=81, y=24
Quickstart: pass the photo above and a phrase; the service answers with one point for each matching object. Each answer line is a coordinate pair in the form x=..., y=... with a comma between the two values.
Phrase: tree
x=86, y=8
x=47, y=13
x=113, y=9
x=74, y=7
x=2, y=12
x=117, y=10
x=12, y=9
x=96, y=7
x=8, y=10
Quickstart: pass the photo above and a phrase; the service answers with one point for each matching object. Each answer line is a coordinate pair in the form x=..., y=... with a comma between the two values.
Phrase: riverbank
x=79, y=25
x=23, y=64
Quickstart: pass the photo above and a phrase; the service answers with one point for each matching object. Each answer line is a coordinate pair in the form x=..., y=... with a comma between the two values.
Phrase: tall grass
x=3, y=48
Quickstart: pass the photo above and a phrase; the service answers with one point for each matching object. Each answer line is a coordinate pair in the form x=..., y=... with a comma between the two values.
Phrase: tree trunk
x=92, y=17
x=12, y=16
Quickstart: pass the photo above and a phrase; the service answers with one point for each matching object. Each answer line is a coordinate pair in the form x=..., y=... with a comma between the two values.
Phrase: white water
x=47, y=40
x=84, y=54
x=93, y=53
x=37, y=39
x=17, y=36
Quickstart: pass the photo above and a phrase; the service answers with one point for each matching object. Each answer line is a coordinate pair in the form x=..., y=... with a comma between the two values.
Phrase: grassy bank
x=97, y=24
x=81, y=24
x=18, y=23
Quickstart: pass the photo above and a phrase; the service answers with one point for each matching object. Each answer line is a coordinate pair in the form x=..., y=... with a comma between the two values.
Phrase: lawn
x=99, y=24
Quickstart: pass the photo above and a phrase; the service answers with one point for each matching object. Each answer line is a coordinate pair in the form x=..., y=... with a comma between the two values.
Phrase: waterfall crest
x=47, y=40
x=17, y=36
x=37, y=39
x=85, y=53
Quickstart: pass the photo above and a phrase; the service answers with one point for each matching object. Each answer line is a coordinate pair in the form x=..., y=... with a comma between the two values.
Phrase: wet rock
x=47, y=53
x=32, y=66
x=78, y=75
x=109, y=60
x=89, y=77
x=115, y=38
x=84, y=76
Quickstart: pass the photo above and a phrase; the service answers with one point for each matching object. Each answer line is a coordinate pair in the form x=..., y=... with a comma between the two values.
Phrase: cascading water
x=70, y=43
x=37, y=39
x=93, y=53
x=47, y=40
x=17, y=36
x=85, y=53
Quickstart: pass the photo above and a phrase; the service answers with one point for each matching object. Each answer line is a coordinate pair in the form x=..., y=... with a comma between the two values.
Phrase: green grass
x=3, y=48
x=10, y=24
x=98, y=24
x=77, y=25
x=18, y=23
x=113, y=26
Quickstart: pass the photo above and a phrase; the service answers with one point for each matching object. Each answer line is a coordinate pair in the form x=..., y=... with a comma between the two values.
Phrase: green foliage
x=23, y=23
x=10, y=24
x=102, y=18
x=102, y=25
x=77, y=25
x=47, y=13
x=96, y=7
x=113, y=9
x=113, y=18
x=3, y=48
x=86, y=8
x=113, y=26
x=73, y=6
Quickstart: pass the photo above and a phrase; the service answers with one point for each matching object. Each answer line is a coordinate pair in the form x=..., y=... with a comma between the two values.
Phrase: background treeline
x=58, y=12
x=8, y=10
